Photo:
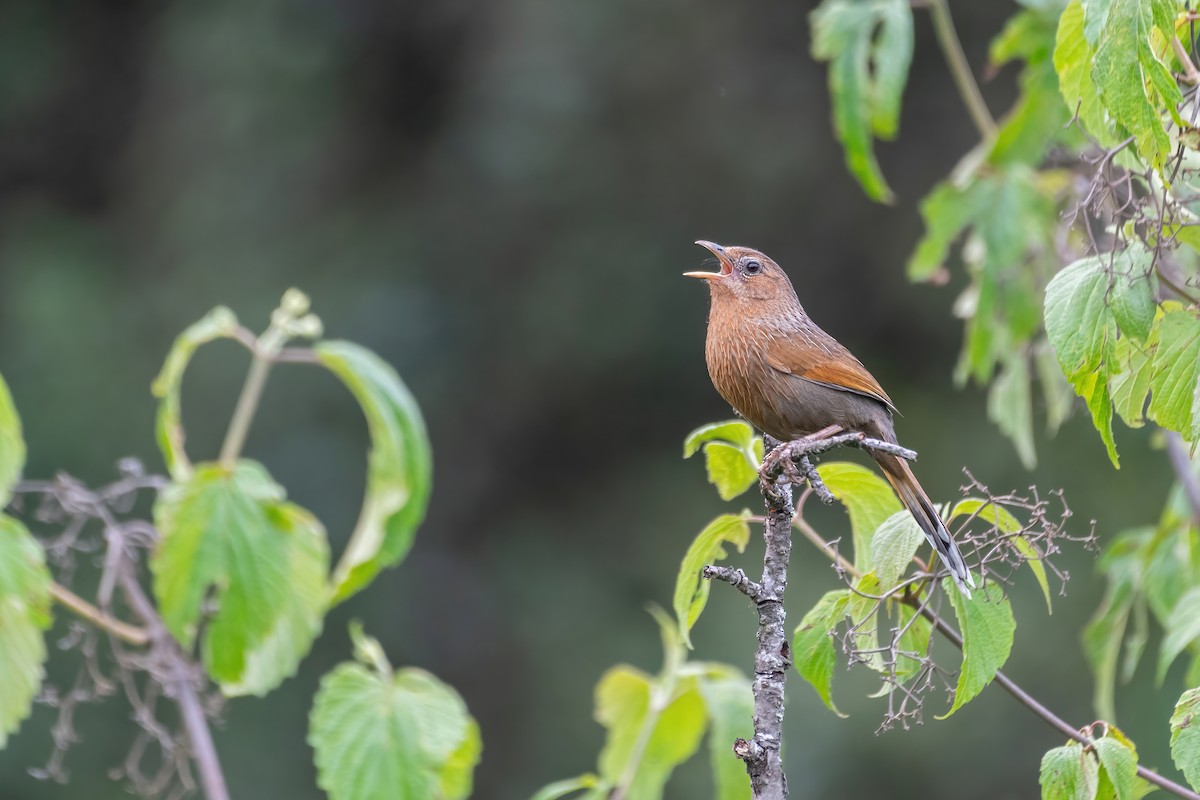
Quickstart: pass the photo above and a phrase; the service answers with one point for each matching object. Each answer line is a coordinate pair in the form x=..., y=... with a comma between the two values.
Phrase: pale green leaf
x=1073, y=61
x=1133, y=289
x=24, y=615
x=216, y=324
x=1185, y=735
x=1181, y=629
x=1055, y=389
x=892, y=547
x=1068, y=773
x=812, y=645
x=691, y=591
x=560, y=789
x=1005, y=522
x=1095, y=15
x=947, y=211
x=987, y=625
x=1010, y=406
x=1131, y=385
x=12, y=444
x=1176, y=372
x=1120, y=765
x=230, y=533
x=868, y=499
x=399, y=468
x=629, y=705
x=380, y=735
x=730, y=469
x=729, y=699
x=1136, y=86
x=734, y=432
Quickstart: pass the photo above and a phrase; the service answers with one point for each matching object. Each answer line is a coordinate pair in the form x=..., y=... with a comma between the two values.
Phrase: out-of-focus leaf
x=1010, y=406
x=1073, y=60
x=1181, y=629
x=812, y=646
x=12, y=444
x=691, y=592
x=24, y=615
x=947, y=211
x=987, y=625
x=869, y=48
x=734, y=431
x=1175, y=384
x=265, y=561
x=1185, y=735
x=399, y=468
x=729, y=699
x=868, y=499
x=1135, y=85
x=627, y=701
x=216, y=324
x=1131, y=295
x=1068, y=773
x=1055, y=389
x=560, y=789
x=384, y=735
x=892, y=547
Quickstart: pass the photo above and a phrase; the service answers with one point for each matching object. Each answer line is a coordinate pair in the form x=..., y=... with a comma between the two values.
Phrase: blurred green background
x=499, y=197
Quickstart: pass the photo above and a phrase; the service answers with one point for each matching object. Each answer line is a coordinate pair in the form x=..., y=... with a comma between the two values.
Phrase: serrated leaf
x=868, y=500
x=734, y=432
x=1185, y=735
x=1073, y=61
x=729, y=469
x=1133, y=290
x=867, y=73
x=1119, y=764
x=380, y=735
x=1068, y=773
x=12, y=444
x=1135, y=85
x=892, y=547
x=812, y=645
x=216, y=324
x=24, y=615
x=264, y=560
x=675, y=726
x=691, y=591
x=1181, y=629
x=1010, y=406
x=399, y=468
x=1176, y=378
x=1131, y=386
x=987, y=625
x=560, y=789
x=729, y=700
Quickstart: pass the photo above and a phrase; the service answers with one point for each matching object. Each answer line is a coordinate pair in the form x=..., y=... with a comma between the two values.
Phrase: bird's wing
x=828, y=364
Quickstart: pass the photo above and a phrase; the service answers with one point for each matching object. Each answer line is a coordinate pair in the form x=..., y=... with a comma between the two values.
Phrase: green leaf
x=216, y=324
x=1055, y=389
x=264, y=560
x=1131, y=385
x=1135, y=85
x=892, y=547
x=1073, y=61
x=1175, y=384
x=399, y=468
x=1120, y=765
x=729, y=699
x=868, y=499
x=1181, y=629
x=1006, y=523
x=630, y=706
x=1010, y=406
x=947, y=211
x=24, y=615
x=1185, y=736
x=1081, y=328
x=867, y=73
x=560, y=789
x=987, y=625
x=812, y=645
x=1068, y=773
x=383, y=735
x=730, y=469
x=1038, y=117
x=1134, y=286
x=734, y=432
x=1102, y=637
x=12, y=444
x=691, y=592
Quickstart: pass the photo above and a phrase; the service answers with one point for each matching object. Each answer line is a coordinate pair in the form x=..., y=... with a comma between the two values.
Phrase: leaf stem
x=960, y=70
x=247, y=404
x=131, y=634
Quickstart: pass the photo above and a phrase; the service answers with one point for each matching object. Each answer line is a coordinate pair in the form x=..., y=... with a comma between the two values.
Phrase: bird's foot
x=790, y=461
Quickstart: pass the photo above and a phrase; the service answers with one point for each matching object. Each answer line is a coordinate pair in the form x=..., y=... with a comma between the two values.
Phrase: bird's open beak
x=722, y=256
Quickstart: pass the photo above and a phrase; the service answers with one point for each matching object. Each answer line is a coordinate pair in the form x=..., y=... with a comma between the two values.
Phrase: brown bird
x=791, y=379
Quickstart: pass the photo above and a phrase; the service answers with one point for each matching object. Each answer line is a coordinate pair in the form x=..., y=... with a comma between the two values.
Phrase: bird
x=790, y=379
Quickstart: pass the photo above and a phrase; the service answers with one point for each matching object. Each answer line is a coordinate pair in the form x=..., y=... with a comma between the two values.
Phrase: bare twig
x=1177, y=452
x=122, y=630
x=964, y=79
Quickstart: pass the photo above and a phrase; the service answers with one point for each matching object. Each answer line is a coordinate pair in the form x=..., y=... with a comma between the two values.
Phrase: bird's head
x=745, y=276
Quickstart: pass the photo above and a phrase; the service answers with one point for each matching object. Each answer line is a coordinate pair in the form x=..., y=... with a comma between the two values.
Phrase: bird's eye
x=752, y=267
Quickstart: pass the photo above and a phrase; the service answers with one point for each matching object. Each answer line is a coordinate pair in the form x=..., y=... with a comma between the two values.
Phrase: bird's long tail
x=913, y=497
